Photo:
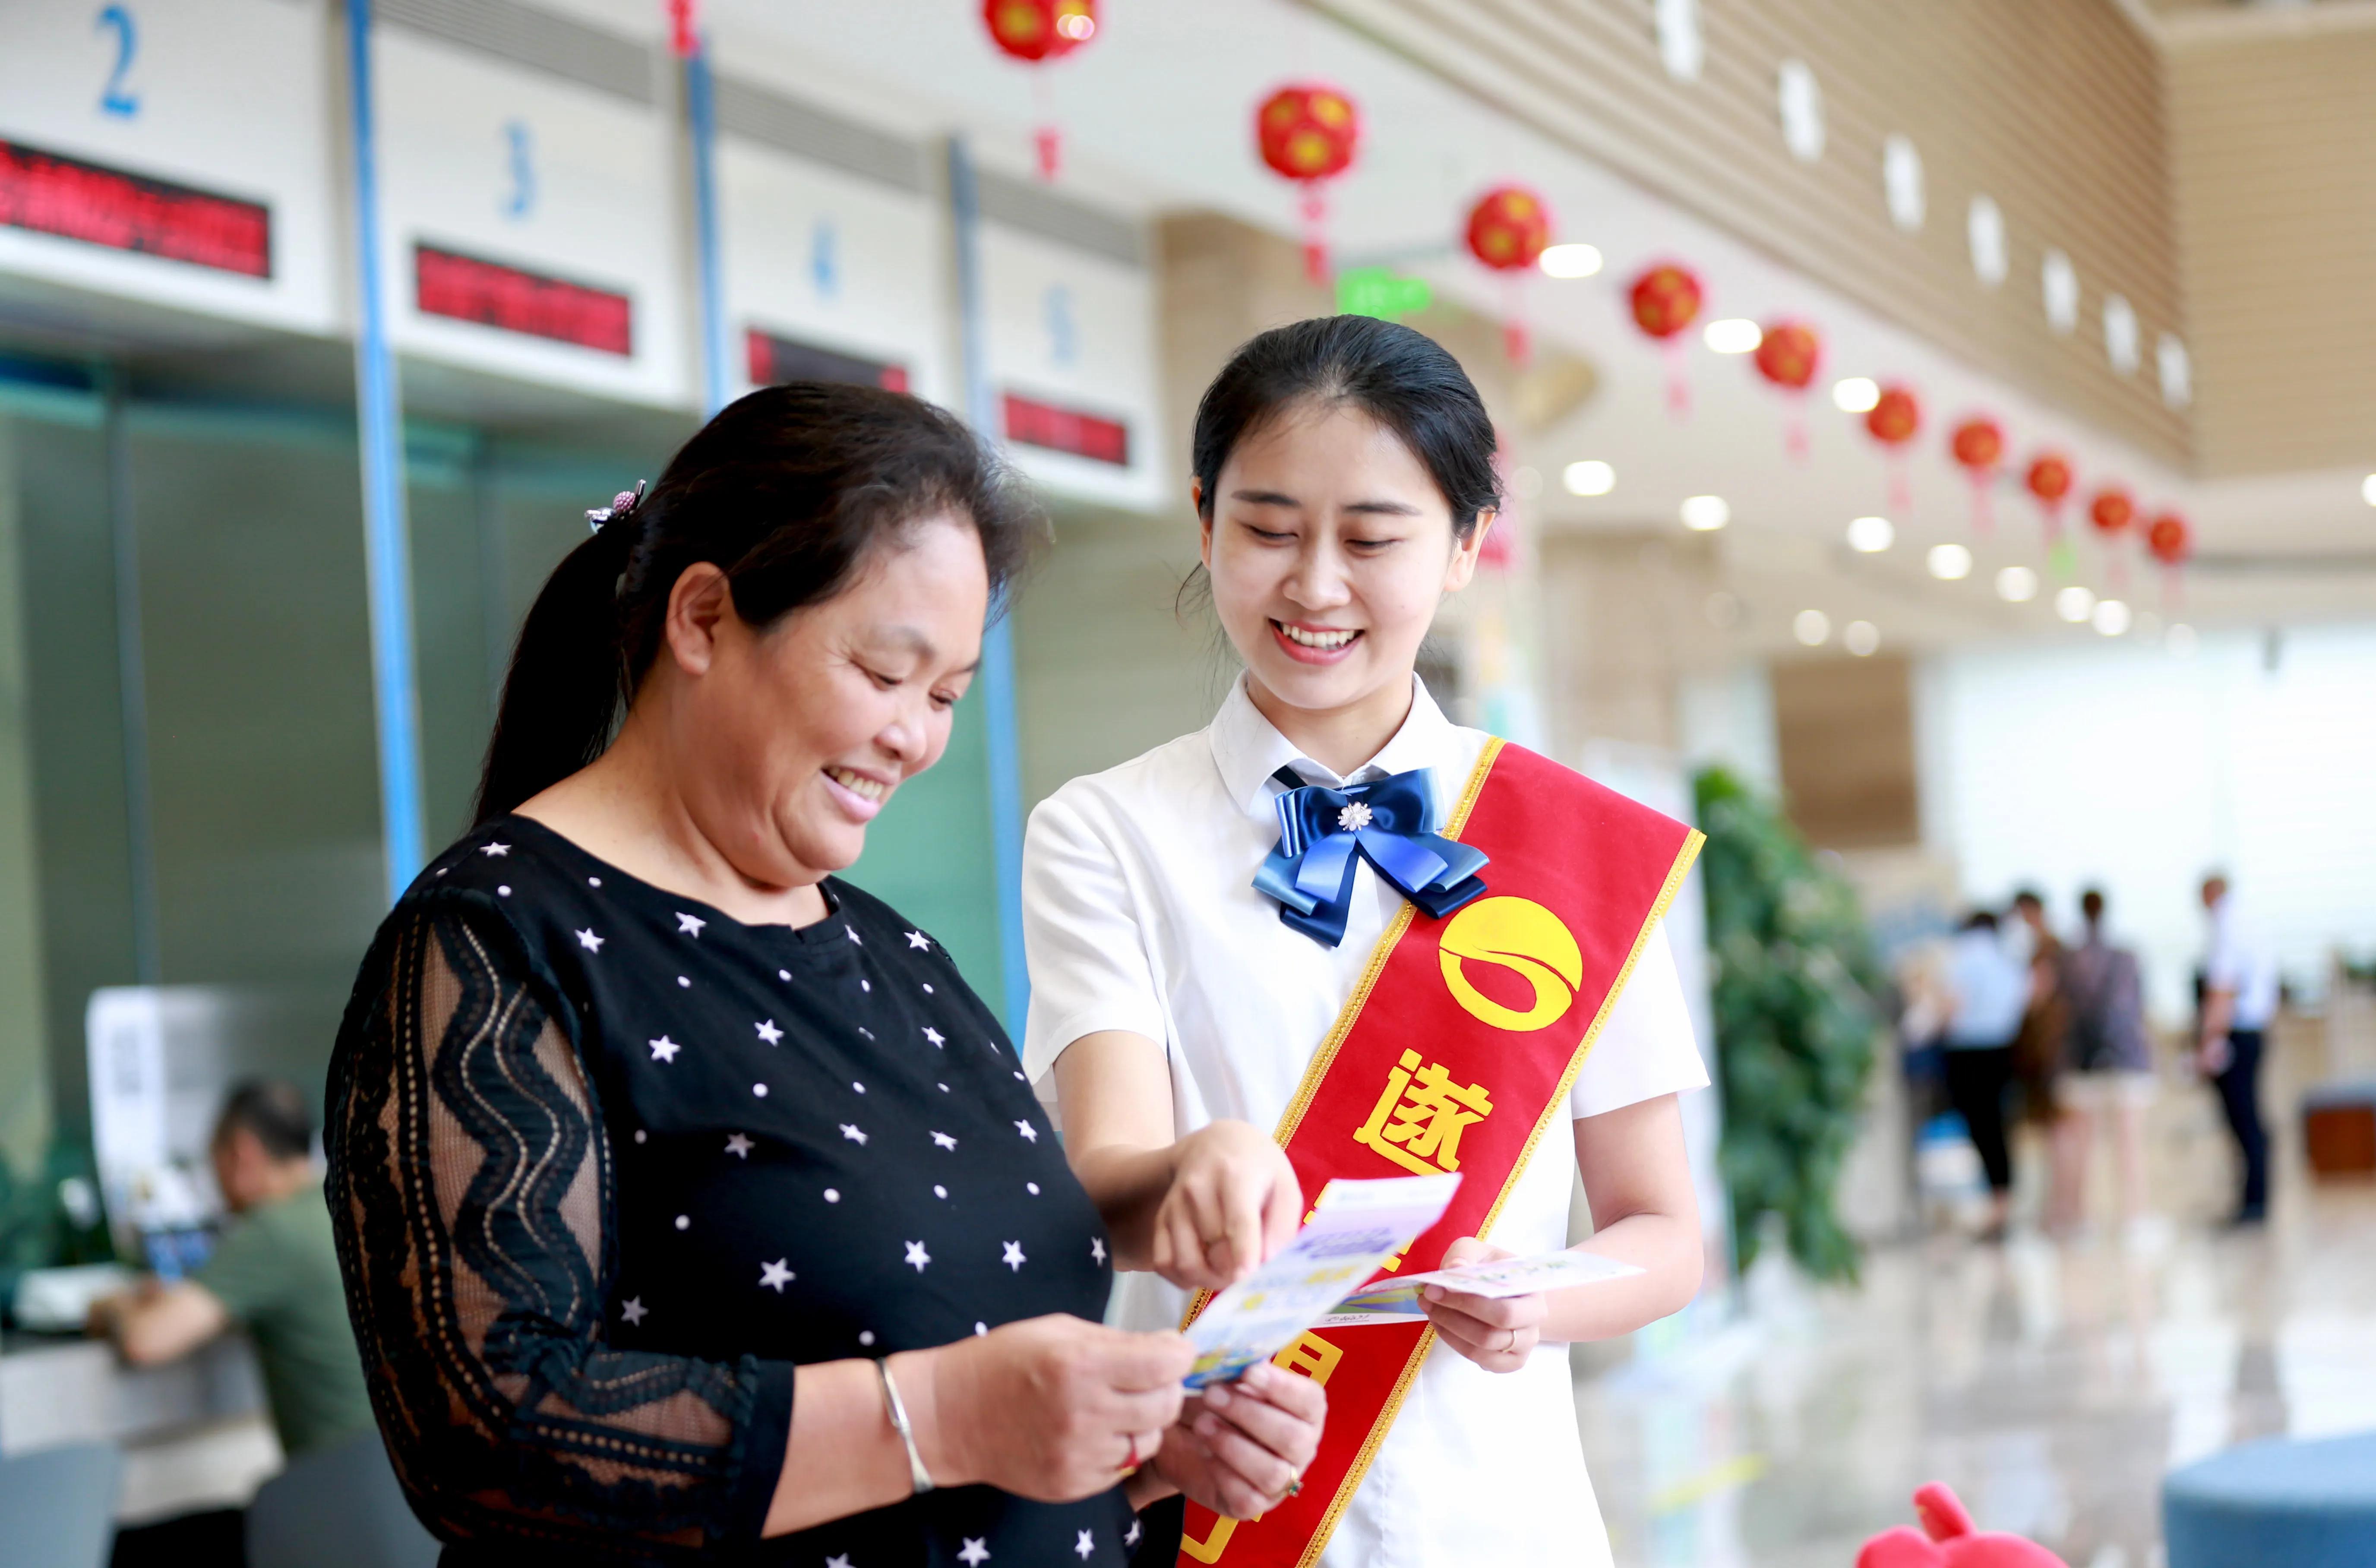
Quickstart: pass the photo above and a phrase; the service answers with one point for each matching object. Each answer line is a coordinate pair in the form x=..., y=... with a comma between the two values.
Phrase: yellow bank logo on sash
x=1523, y=937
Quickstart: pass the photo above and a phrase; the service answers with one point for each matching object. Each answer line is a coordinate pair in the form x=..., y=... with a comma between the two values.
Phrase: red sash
x=1456, y=1052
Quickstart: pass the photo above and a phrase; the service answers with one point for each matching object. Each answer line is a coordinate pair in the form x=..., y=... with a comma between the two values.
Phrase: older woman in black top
x=689, y=1201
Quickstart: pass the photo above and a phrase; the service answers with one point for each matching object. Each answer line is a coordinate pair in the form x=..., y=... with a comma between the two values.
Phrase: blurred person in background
x=2037, y=1049
x=275, y=1274
x=1991, y=990
x=2108, y=1070
x=693, y=1206
x=2239, y=1001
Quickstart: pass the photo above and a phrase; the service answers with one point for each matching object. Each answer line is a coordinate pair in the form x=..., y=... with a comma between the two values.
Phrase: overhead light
x=1861, y=638
x=1705, y=514
x=2111, y=617
x=1811, y=627
x=2368, y=490
x=1569, y=261
x=1871, y=535
x=1949, y=561
x=1856, y=395
x=1733, y=335
x=2016, y=585
x=2180, y=640
x=2075, y=604
x=1591, y=477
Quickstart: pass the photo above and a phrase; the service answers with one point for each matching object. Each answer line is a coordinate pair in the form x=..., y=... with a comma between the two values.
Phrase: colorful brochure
x=1354, y=1228
x=1397, y=1300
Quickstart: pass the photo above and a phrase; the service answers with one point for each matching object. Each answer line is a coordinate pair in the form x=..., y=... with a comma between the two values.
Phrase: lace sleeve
x=470, y=1188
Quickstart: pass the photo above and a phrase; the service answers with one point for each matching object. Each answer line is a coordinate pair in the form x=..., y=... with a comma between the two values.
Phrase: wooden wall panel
x=2274, y=148
x=1845, y=730
x=2052, y=108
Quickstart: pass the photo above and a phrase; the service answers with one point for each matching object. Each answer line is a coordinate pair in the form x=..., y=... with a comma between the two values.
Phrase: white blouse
x=1139, y=913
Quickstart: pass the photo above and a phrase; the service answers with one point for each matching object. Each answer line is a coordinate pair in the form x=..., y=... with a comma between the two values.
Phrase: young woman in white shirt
x=1196, y=1023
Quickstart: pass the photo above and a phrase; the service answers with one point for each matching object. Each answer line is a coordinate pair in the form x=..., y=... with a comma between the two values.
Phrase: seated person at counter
x=274, y=1273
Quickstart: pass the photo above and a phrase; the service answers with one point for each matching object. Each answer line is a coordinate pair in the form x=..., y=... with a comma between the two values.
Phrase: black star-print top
x=606, y=1164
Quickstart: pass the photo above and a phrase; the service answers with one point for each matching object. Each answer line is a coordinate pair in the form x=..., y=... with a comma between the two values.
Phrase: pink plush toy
x=1948, y=1540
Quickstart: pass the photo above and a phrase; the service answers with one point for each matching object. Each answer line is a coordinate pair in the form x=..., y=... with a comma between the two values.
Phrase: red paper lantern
x=1036, y=32
x=1666, y=301
x=1508, y=230
x=1308, y=134
x=2111, y=511
x=2169, y=539
x=1895, y=419
x=1788, y=356
x=684, y=29
x=1979, y=445
x=2050, y=480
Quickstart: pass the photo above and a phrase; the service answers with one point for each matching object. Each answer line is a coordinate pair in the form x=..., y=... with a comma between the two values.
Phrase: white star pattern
x=768, y=1031
x=917, y=1257
x=1086, y=1544
x=974, y=1553
x=689, y=925
x=857, y=1088
x=1130, y=1536
x=664, y=1049
x=1013, y=1256
x=783, y=974
x=939, y=1191
x=759, y=1090
x=589, y=940
x=1030, y=1134
x=1032, y=1188
x=836, y=1563
x=934, y=1035
x=593, y=882
x=928, y=991
x=504, y=890
x=738, y=1145
x=855, y=936
x=493, y=849
x=682, y=982
x=918, y=941
x=775, y=1276
x=866, y=985
x=1097, y=1248
x=853, y=1134
x=634, y=1309
x=833, y=1195
x=944, y=1140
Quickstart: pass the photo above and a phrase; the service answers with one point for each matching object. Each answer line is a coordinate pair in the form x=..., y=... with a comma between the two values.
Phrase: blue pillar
x=997, y=679
x=379, y=417
x=701, y=114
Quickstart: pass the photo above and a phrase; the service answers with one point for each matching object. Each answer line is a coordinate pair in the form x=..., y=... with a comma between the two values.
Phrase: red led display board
x=52, y=194
x=773, y=361
x=1092, y=436
x=465, y=288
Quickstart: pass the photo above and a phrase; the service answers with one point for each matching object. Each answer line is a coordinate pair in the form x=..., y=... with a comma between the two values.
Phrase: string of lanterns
x=1310, y=133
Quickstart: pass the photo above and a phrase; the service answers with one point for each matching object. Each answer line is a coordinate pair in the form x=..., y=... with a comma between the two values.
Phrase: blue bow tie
x=1388, y=822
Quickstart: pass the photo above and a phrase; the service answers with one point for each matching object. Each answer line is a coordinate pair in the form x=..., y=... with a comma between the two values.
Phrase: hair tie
x=622, y=504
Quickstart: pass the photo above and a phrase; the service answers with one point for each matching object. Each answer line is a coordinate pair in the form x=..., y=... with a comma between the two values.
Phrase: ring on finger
x=1512, y=1343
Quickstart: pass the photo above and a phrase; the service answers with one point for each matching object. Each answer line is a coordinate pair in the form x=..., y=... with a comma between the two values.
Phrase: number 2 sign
x=117, y=98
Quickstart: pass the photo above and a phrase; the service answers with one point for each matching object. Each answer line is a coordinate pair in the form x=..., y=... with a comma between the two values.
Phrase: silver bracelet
x=919, y=1477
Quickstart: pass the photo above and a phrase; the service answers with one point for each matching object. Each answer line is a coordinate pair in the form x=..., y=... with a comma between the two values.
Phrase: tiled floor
x=2051, y=1384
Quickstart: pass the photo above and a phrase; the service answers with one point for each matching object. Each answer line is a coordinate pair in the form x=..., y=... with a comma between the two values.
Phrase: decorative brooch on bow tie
x=1389, y=823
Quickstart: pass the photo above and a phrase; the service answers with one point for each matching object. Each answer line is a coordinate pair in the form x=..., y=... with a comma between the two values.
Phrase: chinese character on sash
x=1417, y=1120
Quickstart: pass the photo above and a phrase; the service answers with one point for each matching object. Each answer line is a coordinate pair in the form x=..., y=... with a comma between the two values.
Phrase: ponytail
x=561, y=694
x=787, y=490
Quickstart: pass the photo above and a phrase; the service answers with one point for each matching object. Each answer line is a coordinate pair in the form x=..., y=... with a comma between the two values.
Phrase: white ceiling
x=1157, y=114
